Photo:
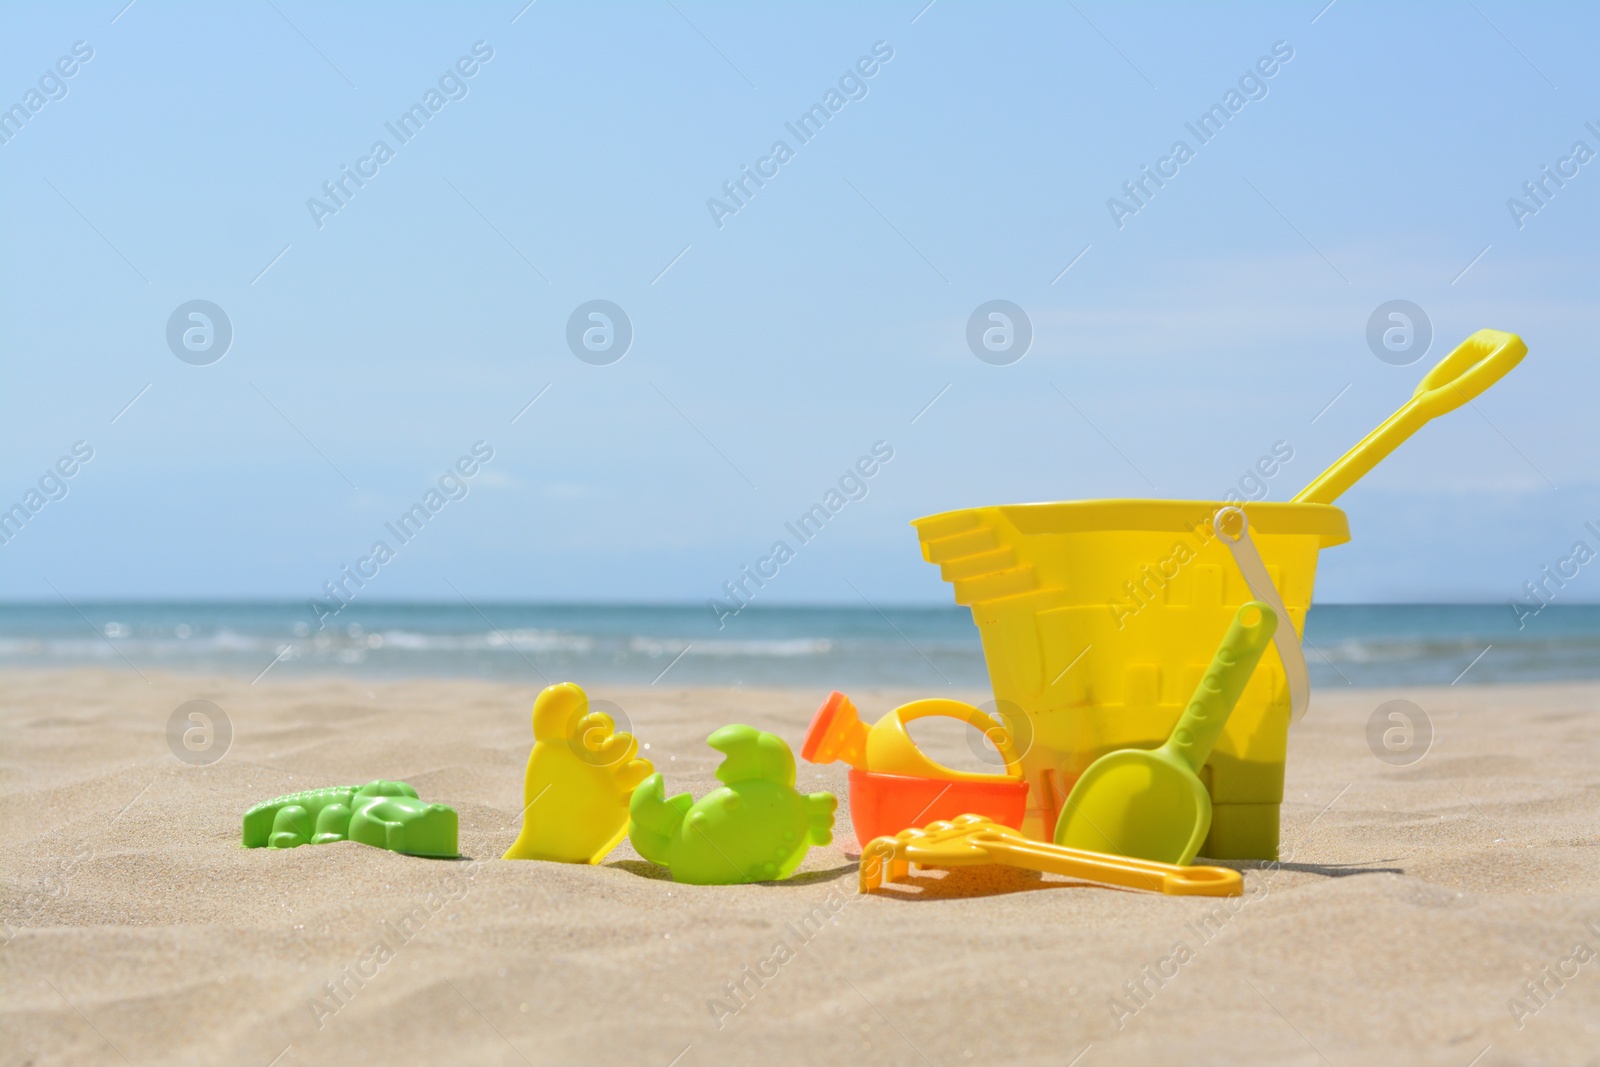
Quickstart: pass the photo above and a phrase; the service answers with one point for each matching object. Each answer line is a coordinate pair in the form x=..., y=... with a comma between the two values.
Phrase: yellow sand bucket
x=1099, y=617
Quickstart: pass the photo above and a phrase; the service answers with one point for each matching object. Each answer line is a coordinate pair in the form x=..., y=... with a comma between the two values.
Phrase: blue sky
x=773, y=347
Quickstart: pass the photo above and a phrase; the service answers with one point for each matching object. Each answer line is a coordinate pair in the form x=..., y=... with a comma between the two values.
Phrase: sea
x=1359, y=645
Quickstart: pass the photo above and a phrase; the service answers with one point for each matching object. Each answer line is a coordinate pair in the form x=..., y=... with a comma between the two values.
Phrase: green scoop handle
x=1247, y=638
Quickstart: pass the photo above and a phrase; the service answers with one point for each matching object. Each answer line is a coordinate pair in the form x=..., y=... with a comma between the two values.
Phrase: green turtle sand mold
x=384, y=814
x=756, y=828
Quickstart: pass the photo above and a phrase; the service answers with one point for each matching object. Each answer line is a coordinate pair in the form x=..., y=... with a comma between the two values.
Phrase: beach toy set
x=1097, y=617
x=1131, y=635
x=1135, y=818
x=583, y=791
x=586, y=789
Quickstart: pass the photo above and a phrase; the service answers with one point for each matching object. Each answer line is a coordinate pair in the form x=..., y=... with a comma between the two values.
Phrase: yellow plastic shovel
x=1477, y=363
x=1151, y=804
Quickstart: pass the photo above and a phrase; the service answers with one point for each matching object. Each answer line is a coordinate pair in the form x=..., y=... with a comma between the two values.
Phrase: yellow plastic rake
x=971, y=841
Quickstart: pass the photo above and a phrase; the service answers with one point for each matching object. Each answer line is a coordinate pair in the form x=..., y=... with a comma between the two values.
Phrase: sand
x=1414, y=904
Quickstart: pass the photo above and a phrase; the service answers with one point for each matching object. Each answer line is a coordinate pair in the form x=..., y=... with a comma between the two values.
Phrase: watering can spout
x=837, y=733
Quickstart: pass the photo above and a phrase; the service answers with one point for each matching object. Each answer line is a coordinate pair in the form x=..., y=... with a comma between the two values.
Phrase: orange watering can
x=894, y=785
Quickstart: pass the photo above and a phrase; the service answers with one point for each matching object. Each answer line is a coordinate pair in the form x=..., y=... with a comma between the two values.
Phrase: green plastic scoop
x=1150, y=804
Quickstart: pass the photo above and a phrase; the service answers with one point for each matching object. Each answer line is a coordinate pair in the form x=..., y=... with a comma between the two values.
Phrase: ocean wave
x=1369, y=645
x=798, y=646
x=1374, y=650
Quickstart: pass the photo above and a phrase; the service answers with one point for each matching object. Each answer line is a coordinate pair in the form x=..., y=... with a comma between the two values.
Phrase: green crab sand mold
x=383, y=814
x=756, y=828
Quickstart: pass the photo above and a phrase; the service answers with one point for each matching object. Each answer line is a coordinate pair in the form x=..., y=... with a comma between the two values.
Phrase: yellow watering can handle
x=1477, y=363
x=993, y=730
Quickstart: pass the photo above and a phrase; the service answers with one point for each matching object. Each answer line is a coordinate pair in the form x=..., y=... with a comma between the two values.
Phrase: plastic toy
x=580, y=774
x=971, y=840
x=1152, y=804
x=383, y=814
x=756, y=828
x=894, y=785
x=1095, y=614
x=1477, y=363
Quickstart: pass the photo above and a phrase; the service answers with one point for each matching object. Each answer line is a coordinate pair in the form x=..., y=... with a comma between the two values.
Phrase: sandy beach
x=1413, y=906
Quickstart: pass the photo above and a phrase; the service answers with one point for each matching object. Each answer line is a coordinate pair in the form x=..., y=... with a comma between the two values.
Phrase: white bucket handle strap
x=1255, y=575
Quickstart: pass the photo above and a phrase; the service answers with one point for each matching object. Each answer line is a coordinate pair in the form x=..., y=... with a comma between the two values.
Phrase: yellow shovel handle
x=1477, y=363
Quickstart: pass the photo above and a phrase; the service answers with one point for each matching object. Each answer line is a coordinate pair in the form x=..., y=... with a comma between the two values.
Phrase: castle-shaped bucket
x=1098, y=618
